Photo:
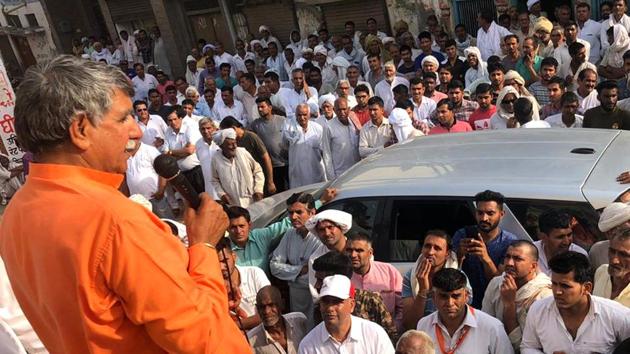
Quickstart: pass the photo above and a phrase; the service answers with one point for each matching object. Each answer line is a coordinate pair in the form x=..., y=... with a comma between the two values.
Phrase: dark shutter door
x=129, y=11
x=277, y=16
x=338, y=13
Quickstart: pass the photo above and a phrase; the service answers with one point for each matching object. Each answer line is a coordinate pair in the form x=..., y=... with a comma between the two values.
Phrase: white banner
x=7, y=128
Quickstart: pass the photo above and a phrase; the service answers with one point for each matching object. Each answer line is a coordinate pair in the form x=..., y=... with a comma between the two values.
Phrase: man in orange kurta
x=93, y=271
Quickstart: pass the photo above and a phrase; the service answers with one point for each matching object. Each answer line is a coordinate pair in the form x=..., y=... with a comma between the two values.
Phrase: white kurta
x=205, y=152
x=287, y=261
x=159, y=56
x=239, y=177
x=306, y=153
x=489, y=43
x=384, y=90
x=291, y=98
x=141, y=176
x=155, y=128
x=343, y=142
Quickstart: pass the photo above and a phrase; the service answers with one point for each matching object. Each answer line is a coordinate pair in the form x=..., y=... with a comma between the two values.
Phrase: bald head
x=269, y=292
x=415, y=342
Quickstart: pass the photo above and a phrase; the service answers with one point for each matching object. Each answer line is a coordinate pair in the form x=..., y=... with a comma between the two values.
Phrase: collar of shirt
x=288, y=327
x=355, y=334
x=385, y=122
x=54, y=171
x=469, y=321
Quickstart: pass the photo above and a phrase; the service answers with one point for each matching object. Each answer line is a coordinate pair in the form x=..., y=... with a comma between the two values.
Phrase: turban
x=513, y=75
x=220, y=136
x=263, y=28
x=340, y=218
x=401, y=123
x=255, y=41
x=388, y=40
x=190, y=58
x=320, y=49
x=327, y=98
x=544, y=24
x=531, y=3
x=306, y=50
x=431, y=59
x=207, y=47
x=614, y=215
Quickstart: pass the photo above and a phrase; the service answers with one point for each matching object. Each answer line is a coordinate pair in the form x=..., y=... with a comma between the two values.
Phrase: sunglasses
x=141, y=109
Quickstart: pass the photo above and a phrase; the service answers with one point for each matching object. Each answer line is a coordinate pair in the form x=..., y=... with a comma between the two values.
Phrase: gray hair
x=205, y=120
x=191, y=91
x=53, y=94
x=308, y=108
x=427, y=348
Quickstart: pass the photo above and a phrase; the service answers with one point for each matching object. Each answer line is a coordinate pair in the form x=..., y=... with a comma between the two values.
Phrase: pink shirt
x=438, y=96
x=386, y=280
x=459, y=127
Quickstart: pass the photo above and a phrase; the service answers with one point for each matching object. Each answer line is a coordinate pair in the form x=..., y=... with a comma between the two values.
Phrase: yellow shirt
x=97, y=273
x=603, y=287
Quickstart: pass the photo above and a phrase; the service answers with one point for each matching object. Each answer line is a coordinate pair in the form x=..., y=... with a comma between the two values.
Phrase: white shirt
x=204, y=153
x=384, y=90
x=372, y=139
x=343, y=142
x=250, y=108
x=155, y=128
x=188, y=134
x=237, y=111
x=486, y=334
x=307, y=153
x=252, y=280
x=365, y=337
x=489, y=43
x=239, y=177
x=588, y=102
x=543, y=263
x=423, y=111
x=141, y=176
x=290, y=99
x=141, y=87
x=606, y=325
x=13, y=324
x=103, y=54
x=590, y=33
x=555, y=121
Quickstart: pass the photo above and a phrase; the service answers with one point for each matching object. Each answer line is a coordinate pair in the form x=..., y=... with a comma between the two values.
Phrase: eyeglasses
x=141, y=109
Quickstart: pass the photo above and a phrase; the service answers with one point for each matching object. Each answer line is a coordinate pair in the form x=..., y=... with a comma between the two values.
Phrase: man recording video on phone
x=481, y=248
x=93, y=271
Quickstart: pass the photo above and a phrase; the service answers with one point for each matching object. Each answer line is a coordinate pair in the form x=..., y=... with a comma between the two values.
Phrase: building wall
x=70, y=19
x=41, y=43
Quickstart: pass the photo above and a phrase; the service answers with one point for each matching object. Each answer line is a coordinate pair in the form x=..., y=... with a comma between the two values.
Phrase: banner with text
x=7, y=128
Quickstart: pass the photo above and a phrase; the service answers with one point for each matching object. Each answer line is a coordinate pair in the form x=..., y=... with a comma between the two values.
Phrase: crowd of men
x=266, y=118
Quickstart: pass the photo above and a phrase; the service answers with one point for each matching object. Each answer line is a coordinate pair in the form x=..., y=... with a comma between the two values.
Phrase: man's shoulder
x=541, y=305
x=610, y=308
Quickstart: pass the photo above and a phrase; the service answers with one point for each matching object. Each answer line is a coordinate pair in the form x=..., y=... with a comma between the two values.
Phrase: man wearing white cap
x=236, y=177
x=384, y=88
x=327, y=109
x=266, y=37
x=612, y=280
x=614, y=219
x=340, y=332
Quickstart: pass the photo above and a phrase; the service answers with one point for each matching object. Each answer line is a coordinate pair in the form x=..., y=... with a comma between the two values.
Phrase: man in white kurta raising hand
x=309, y=154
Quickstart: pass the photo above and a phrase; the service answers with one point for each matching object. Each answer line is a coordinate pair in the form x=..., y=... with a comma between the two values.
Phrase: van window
x=585, y=230
x=365, y=213
x=412, y=218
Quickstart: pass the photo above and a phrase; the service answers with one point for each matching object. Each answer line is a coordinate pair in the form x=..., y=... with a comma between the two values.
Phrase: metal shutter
x=129, y=11
x=358, y=11
x=467, y=10
x=278, y=16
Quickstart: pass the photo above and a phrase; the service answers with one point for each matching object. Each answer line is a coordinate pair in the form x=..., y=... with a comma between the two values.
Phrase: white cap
x=338, y=286
x=342, y=219
x=613, y=215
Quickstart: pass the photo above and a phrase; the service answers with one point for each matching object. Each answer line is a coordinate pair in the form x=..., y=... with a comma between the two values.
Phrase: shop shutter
x=278, y=16
x=129, y=11
x=338, y=13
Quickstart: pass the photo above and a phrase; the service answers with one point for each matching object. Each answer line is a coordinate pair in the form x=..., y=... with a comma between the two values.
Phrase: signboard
x=7, y=128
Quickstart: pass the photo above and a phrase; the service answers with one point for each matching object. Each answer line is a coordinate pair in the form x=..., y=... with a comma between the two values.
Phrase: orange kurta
x=97, y=273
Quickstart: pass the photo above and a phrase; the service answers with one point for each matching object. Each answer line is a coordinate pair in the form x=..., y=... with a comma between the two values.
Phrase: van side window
x=412, y=218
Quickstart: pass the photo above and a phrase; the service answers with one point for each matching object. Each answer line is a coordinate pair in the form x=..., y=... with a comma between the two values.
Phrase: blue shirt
x=202, y=109
x=473, y=267
x=418, y=62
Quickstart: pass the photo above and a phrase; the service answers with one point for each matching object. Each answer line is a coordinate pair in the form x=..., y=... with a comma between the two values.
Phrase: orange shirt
x=95, y=272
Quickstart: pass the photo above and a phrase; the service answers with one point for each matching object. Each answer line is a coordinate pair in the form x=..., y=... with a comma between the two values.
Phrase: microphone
x=166, y=167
